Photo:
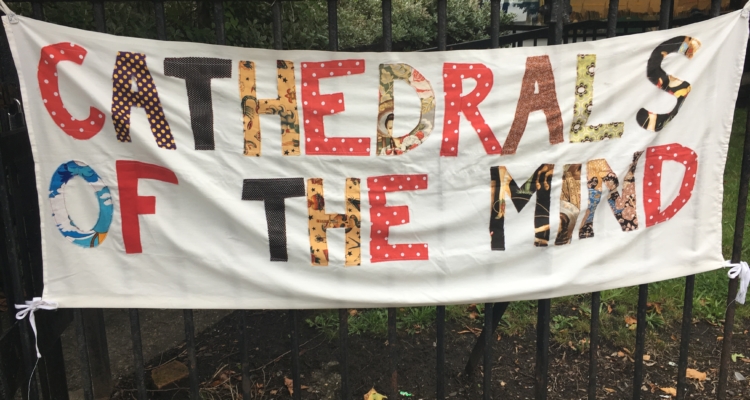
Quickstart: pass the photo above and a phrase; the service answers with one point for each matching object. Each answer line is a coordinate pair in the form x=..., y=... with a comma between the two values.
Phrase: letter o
x=85, y=238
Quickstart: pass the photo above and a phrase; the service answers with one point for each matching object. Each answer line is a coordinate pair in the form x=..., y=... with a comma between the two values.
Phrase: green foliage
x=304, y=23
x=561, y=322
x=372, y=321
x=415, y=319
x=326, y=321
x=455, y=312
x=654, y=321
x=709, y=307
x=520, y=316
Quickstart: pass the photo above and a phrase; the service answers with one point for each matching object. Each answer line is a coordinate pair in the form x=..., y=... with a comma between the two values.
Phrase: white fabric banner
x=184, y=175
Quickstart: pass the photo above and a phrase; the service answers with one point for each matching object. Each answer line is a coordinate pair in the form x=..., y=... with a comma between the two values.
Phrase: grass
x=571, y=314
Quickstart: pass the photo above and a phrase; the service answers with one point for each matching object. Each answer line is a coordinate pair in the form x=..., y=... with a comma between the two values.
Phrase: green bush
x=304, y=23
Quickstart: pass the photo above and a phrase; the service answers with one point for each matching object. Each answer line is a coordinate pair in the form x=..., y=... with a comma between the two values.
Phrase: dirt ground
x=160, y=329
x=512, y=373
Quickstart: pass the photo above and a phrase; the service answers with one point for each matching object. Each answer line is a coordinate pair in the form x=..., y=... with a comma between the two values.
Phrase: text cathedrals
x=134, y=87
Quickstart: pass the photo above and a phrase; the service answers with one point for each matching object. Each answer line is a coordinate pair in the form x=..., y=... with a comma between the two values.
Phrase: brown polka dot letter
x=129, y=68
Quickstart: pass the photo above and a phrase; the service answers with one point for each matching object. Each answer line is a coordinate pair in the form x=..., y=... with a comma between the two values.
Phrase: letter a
x=537, y=93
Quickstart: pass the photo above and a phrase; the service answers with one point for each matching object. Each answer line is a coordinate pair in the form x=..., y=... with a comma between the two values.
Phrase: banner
x=184, y=175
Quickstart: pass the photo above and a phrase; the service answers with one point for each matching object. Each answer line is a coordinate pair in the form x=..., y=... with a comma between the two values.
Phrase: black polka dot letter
x=129, y=68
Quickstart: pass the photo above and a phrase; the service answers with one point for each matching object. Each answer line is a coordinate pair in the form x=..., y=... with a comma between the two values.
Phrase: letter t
x=273, y=192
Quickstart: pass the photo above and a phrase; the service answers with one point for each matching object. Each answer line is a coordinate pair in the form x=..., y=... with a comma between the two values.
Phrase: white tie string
x=742, y=271
x=8, y=12
x=28, y=309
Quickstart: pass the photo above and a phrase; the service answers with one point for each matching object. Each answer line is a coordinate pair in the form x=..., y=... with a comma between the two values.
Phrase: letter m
x=503, y=186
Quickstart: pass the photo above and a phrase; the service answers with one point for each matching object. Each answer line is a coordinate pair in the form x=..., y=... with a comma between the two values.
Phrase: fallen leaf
x=352, y=312
x=630, y=320
x=670, y=391
x=609, y=309
x=221, y=378
x=168, y=373
x=747, y=360
x=655, y=306
x=274, y=391
x=289, y=383
x=620, y=354
x=373, y=395
x=735, y=356
x=646, y=357
x=695, y=374
x=608, y=390
x=719, y=338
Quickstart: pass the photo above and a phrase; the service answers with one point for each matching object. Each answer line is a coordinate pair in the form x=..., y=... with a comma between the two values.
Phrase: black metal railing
x=21, y=273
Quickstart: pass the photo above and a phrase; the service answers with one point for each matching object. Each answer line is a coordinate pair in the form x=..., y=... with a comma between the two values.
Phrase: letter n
x=623, y=205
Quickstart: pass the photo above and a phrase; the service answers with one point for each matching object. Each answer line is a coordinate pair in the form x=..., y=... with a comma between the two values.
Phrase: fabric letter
x=570, y=203
x=673, y=85
x=197, y=73
x=317, y=105
x=503, y=185
x=284, y=105
x=623, y=206
x=131, y=67
x=655, y=158
x=49, y=86
x=383, y=217
x=87, y=238
x=320, y=222
x=131, y=204
x=583, y=105
x=457, y=105
x=272, y=193
x=387, y=143
x=537, y=93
